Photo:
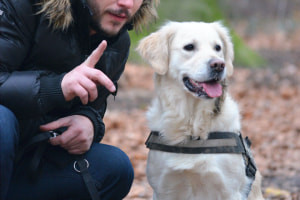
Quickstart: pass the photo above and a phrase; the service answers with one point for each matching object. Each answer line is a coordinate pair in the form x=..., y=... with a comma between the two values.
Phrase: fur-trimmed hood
x=59, y=13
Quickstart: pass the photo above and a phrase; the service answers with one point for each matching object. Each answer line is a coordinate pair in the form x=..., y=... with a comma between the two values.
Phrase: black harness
x=217, y=142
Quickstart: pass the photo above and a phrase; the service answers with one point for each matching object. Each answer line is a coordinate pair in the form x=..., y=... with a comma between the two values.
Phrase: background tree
x=196, y=10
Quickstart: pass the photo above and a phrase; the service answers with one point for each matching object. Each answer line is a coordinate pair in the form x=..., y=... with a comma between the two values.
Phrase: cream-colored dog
x=192, y=61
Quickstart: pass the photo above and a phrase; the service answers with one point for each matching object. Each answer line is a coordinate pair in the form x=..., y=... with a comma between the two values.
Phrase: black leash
x=81, y=166
x=39, y=143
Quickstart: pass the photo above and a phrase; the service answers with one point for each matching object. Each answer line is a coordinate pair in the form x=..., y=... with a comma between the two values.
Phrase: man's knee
x=7, y=116
x=113, y=159
x=8, y=129
x=117, y=169
x=120, y=166
x=8, y=145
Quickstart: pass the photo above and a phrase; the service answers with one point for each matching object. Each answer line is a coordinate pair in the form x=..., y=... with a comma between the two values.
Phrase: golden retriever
x=192, y=61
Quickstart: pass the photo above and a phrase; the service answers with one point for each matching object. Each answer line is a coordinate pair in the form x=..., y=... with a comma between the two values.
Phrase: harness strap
x=217, y=142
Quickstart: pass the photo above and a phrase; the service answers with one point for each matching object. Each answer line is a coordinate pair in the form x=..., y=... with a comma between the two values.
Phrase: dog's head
x=199, y=55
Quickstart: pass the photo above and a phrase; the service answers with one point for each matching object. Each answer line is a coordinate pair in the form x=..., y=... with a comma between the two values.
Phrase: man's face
x=111, y=15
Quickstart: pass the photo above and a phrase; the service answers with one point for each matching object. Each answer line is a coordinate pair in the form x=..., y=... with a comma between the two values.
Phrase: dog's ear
x=228, y=46
x=155, y=48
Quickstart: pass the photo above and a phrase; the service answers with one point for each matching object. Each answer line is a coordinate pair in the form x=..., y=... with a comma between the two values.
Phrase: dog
x=192, y=61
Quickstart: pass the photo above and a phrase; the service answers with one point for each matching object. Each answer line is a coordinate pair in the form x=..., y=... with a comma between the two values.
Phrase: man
x=59, y=61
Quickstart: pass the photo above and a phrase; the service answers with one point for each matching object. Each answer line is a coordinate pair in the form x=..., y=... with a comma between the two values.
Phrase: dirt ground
x=269, y=103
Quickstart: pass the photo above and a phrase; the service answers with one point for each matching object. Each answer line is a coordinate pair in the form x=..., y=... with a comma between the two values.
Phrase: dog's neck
x=219, y=101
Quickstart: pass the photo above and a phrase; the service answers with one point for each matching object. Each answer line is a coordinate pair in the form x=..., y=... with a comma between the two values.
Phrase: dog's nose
x=217, y=65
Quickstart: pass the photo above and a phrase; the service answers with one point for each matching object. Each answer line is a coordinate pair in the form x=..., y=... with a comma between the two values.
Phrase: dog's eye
x=189, y=47
x=218, y=47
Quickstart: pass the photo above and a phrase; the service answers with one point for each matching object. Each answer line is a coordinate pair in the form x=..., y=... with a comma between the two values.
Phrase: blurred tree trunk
x=282, y=6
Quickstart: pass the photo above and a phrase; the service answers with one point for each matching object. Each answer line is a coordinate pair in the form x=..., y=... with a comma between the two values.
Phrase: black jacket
x=34, y=57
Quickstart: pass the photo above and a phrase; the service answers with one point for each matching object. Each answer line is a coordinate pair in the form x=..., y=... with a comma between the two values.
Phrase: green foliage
x=197, y=10
x=244, y=56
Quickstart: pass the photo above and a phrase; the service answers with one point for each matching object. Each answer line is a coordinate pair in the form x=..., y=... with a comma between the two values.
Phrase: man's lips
x=119, y=15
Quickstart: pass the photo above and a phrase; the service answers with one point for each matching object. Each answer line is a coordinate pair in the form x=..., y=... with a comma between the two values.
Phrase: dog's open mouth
x=210, y=89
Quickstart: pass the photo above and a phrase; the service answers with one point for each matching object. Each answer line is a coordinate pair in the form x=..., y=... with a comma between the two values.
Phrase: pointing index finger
x=92, y=60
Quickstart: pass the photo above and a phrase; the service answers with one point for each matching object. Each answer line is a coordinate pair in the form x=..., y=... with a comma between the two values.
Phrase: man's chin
x=108, y=31
x=112, y=30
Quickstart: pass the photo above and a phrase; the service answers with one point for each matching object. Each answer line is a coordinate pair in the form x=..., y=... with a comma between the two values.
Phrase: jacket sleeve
x=113, y=61
x=26, y=93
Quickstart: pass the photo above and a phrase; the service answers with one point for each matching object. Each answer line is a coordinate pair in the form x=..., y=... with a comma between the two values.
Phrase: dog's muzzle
x=208, y=89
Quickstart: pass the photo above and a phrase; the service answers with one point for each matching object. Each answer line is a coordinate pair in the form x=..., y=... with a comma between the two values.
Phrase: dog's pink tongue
x=212, y=89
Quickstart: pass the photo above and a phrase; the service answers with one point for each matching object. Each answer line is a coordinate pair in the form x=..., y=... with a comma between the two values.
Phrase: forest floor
x=269, y=103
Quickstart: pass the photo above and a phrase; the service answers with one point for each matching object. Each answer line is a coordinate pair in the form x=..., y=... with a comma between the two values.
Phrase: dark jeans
x=8, y=145
x=109, y=166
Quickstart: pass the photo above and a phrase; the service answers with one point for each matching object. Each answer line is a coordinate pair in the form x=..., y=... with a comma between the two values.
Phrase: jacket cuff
x=99, y=126
x=51, y=94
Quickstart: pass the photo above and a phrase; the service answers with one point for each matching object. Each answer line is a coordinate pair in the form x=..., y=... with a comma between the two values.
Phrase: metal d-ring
x=78, y=170
x=53, y=134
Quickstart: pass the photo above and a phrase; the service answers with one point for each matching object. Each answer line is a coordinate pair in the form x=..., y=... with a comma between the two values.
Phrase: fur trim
x=59, y=13
x=145, y=14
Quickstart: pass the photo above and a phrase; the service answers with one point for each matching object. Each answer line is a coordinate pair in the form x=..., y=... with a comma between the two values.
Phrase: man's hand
x=82, y=81
x=77, y=139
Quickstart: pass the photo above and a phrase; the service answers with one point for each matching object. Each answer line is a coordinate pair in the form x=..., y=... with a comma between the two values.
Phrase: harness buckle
x=251, y=169
x=249, y=161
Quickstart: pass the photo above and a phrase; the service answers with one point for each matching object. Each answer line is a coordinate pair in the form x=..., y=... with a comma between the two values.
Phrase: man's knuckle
x=71, y=151
x=63, y=143
x=93, y=87
x=84, y=94
x=82, y=139
x=99, y=74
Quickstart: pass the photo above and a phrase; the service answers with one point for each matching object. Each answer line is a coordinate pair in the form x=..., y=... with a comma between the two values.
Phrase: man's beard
x=98, y=28
x=95, y=21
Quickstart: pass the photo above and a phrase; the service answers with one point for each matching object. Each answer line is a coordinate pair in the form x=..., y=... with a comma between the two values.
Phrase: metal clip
x=53, y=134
x=80, y=170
